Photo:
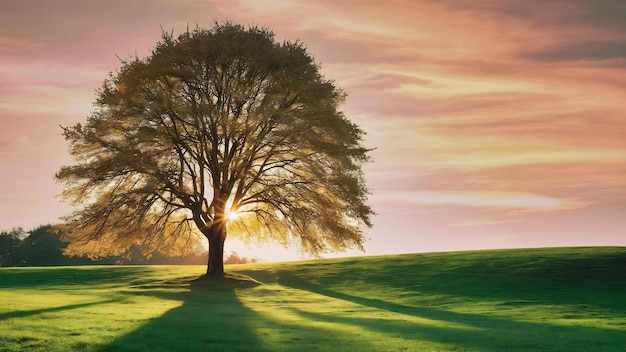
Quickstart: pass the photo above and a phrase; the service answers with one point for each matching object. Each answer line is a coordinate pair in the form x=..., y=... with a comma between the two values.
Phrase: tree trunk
x=216, y=236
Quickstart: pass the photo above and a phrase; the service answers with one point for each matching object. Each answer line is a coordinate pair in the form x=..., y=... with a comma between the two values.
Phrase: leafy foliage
x=9, y=246
x=216, y=122
x=38, y=247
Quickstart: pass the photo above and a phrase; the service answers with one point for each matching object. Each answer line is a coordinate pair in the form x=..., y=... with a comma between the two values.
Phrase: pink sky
x=497, y=123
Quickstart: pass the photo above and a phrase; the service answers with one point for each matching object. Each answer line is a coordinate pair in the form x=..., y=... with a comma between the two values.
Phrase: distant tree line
x=234, y=258
x=44, y=246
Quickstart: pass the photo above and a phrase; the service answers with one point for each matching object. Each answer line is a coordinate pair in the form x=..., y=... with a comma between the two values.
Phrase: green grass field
x=557, y=299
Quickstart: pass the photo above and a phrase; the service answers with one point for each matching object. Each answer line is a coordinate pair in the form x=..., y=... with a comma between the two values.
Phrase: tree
x=9, y=246
x=217, y=129
x=234, y=258
x=43, y=246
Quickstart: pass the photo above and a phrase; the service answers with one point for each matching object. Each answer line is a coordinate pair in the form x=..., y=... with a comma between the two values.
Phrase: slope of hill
x=552, y=299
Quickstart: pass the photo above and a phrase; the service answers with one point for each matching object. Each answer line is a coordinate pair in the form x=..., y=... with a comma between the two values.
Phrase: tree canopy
x=218, y=129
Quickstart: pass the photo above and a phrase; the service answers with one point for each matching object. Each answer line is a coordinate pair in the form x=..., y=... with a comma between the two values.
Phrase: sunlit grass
x=65, y=309
x=516, y=300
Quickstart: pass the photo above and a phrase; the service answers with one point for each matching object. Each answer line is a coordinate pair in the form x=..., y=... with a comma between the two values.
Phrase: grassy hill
x=554, y=299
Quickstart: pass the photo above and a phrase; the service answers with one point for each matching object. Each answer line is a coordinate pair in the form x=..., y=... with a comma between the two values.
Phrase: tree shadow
x=210, y=318
x=26, y=313
x=474, y=331
x=492, y=331
x=569, y=279
x=41, y=277
x=597, y=282
x=570, y=286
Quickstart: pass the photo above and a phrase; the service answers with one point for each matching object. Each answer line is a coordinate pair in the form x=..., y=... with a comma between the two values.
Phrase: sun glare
x=232, y=215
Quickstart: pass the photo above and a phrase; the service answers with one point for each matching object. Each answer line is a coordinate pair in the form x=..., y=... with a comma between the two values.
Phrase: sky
x=496, y=123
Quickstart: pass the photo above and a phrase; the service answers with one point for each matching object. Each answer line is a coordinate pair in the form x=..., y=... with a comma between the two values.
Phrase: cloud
x=482, y=199
x=487, y=222
x=93, y=32
x=5, y=145
x=439, y=86
x=15, y=47
x=586, y=50
x=556, y=14
x=608, y=14
x=473, y=152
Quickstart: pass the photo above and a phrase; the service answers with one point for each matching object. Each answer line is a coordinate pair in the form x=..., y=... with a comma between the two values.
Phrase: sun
x=232, y=215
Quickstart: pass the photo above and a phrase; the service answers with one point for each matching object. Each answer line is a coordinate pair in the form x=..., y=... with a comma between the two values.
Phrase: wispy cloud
x=487, y=222
x=582, y=51
x=483, y=199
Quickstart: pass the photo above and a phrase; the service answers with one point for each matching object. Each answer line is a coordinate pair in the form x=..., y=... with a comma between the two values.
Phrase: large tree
x=217, y=129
